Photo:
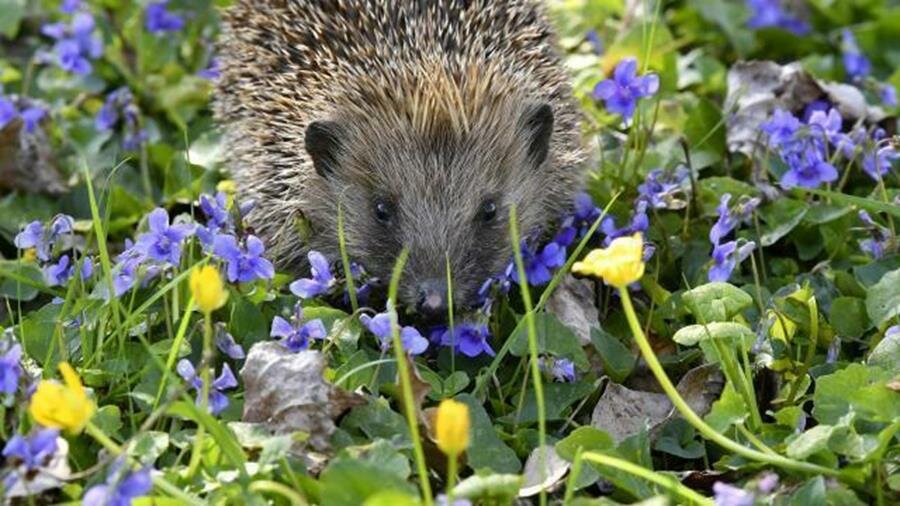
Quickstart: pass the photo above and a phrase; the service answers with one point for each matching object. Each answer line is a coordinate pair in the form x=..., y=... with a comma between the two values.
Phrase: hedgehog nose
x=432, y=299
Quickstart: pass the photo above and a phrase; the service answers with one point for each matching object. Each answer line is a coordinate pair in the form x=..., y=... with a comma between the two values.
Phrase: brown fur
x=433, y=99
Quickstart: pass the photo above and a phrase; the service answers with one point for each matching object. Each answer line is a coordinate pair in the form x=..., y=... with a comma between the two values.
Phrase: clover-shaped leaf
x=716, y=302
x=693, y=334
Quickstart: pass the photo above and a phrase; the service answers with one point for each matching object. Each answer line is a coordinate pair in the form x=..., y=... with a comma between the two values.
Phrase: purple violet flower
x=321, y=281
x=59, y=273
x=10, y=368
x=27, y=455
x=727, y=256
x=539, y=267
x=728, y=495
x=880, y=237
x=622, y=92
x=769, y=13
x=295, y=336
x=380, y=326
x=226, y=344
x=639, y=223
x=246, y=263
x=7, y=111
x=856, y=64
x=163, y=241
x=562, y=369
x=665, y=189
x=217, y=400
x=470, y=339
x=76, y=43
x=809, y=170
x=594, y=40
x=781, y=128
x=121, y=487
x=42, y=239
x=212, y=71
x=888, y=94
x=877, y=162
x=69, y=6
x=158, y=19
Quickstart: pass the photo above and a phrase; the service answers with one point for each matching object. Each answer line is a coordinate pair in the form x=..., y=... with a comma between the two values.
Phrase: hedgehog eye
x=383, y=212
x=488, y=211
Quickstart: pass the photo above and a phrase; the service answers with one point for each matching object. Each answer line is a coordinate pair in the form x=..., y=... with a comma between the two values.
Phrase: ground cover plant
x=717, y=321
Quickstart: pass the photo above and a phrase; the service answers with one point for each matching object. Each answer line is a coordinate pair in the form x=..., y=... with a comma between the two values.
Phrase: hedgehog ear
x=323, y=143
x=537, y=122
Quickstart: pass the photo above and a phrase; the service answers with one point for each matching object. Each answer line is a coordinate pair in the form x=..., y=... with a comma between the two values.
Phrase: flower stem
x=532, y=348
x=277, y=488
x=205, y=364
x=691, y=417
x=669, y=482
x=160, y=482
x=451, y=477
x=406, y=383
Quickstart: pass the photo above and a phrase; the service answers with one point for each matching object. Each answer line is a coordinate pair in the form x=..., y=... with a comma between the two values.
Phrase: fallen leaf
x=286, y=393
x=573, y=304
x=622, y=412
x=26, y=161
x=554, y=469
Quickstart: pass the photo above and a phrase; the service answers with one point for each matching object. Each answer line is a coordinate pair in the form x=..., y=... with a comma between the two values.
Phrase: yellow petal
x=619, y=264
x=208, y=289
x=451, y=427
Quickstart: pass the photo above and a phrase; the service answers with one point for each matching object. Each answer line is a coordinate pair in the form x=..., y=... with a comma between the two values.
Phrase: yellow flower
x=226, y=186
x=62, y=406
x=451, y=427
x=619, y=264
x=208, y=290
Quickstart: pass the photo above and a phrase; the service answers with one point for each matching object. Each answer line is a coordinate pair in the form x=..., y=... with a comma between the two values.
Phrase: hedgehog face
x=442, y=192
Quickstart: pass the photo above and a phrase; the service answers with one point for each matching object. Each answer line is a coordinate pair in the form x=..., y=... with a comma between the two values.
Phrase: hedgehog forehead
x=440, y=163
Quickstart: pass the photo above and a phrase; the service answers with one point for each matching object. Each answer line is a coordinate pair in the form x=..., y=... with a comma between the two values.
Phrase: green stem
x=205, y=364
x=279, y=489
x=160, y=482
x=691, y=417
x=532, y=347
x=755, y=441
x=572, y=480
x=405, y=383
x=813, y=308
x=668, y=482
x=345, y=260
x=451, y=477
x=173, y=353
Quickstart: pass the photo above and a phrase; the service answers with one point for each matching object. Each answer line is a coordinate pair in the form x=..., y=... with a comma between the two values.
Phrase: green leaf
x=678, y=438
x=716, y=302
x=225, y=439
x=780, y=217
x=486, y=449
x=489, y=489
x=349, y=482
x=552, y=337
x=557, y=397
x=727, y=411
x=618, y=361
x=392, y=498
x=693, y=334
x=812, y=492
x=20, y=281
x=587, y=438
x=835, y=392
x=886, y=353
x=13, y=13
x=883, y=298
x=377, y=420
x=711, y=190
x=148, y=446
x=810, y=442
x=848, y=316
x=381, y=454
x=871, y=205
x=109, y=419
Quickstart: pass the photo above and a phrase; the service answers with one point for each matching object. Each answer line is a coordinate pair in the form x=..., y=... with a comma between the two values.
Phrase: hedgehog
x=419, y=122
